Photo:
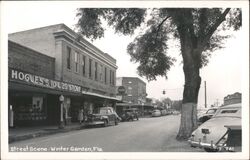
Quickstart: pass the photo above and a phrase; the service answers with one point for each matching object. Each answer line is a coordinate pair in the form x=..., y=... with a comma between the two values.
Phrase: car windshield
x=211, y=111
x=232, y=112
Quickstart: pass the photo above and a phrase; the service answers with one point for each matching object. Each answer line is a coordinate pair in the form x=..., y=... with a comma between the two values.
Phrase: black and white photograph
x=125, y=79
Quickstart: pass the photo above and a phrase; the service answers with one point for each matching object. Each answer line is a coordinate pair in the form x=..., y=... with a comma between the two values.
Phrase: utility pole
x=205, y=94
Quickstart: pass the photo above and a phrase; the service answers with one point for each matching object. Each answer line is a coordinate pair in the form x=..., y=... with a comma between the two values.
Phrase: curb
x=42, y=133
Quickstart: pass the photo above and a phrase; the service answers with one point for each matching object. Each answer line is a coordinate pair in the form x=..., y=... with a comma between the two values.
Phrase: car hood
x=216, y=128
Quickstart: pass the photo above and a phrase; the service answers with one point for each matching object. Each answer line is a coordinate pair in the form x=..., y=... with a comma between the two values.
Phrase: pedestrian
x=80, y=116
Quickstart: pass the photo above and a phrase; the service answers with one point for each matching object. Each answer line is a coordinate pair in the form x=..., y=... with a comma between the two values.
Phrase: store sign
x=43, y=82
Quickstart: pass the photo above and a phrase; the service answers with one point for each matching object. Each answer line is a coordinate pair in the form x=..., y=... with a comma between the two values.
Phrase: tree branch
x=214, y=27
x=159, y=26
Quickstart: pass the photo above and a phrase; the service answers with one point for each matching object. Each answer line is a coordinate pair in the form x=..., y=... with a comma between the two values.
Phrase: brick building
x=83, y=74
x=232, y=98
x=135, y=94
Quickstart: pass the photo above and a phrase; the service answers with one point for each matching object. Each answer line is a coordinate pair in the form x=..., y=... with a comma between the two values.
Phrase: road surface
x=146, y=135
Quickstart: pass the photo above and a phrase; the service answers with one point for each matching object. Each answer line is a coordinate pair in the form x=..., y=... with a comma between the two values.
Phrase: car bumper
x=211, y=146
x=94, y=123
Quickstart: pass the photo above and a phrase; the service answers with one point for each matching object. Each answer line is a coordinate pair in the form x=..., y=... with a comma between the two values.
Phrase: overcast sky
x=223, y=74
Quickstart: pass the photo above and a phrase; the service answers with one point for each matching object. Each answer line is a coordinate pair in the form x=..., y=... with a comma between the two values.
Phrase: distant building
x=67, y=64
x=135, y=94
x=232, y=98
x=135, y=89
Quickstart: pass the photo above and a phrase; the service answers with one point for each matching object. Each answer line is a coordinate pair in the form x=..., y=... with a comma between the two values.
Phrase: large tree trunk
x=189, y=102
x=191, y=66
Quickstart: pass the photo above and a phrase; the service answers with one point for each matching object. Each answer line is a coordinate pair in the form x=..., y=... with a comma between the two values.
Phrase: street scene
x=144, y=79
x=145, y=135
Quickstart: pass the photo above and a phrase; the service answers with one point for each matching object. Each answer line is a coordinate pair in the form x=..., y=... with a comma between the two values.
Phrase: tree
x=198, y=31
x=177, y=105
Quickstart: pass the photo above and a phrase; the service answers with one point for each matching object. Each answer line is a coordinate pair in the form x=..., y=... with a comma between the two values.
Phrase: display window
x=29, y=107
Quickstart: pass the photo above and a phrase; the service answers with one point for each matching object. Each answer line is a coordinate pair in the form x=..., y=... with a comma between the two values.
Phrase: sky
x=223, y=75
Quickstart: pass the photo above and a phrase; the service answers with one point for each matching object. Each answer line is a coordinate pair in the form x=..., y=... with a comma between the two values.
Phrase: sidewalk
x=23, y=133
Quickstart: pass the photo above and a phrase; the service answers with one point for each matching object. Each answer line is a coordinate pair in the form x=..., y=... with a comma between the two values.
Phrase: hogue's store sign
x=15, y=75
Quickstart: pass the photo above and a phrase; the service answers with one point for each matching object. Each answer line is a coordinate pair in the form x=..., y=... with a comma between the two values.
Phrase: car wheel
x=105, y=123
x=210, y=150
x=116, y=122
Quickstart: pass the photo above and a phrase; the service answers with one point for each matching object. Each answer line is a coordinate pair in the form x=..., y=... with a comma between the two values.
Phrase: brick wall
x=138, y=88
x=28, y=60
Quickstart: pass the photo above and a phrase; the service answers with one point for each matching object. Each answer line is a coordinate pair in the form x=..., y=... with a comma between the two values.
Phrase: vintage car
x=206, y=116
x=220, y=133
x=130, y=114
x=105, y=116
x=156, y=113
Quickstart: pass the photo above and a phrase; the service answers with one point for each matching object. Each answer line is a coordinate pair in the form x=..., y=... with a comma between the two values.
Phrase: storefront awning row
x=21, y=81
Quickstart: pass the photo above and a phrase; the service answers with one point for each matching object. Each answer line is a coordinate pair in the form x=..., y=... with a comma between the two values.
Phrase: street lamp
x=61, y=99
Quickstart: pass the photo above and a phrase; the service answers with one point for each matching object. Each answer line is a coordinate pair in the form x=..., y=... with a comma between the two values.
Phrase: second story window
x=110, y=77
x=83, y=64
x=96, y=70
x=105, y=75
x=100, y=73
x=90, y=68
x=68, y=57
x=76, y=61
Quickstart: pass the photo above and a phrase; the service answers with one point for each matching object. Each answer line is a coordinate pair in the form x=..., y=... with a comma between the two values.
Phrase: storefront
x=34, y=100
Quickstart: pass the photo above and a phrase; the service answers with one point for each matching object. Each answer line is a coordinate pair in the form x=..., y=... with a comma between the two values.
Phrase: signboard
x=121, y=90
x=42, y=82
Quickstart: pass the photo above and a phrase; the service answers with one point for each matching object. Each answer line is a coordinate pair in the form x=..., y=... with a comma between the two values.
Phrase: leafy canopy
x=160, y=25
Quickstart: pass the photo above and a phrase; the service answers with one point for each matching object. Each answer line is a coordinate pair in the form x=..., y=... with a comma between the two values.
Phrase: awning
x=99, y=95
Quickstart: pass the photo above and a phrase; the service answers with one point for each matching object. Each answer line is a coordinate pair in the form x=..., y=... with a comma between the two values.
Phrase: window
x=76, y=61
x=100, y=73
x=228, y=111
x=96, y=70
x=90, y=68
x=68, y=57
x=105, y=75
x=110, y=77
x=83, y=64
x=113, y=77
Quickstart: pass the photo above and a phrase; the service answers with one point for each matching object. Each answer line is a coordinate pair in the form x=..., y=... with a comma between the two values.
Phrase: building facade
x=232, y=98
x=84, y=74
x=134, y=96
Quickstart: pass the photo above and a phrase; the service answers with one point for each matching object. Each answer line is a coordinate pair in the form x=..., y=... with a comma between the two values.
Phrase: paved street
x=146, y=135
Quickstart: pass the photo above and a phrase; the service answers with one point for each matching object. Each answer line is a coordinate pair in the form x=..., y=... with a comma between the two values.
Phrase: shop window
x=28, y=109
x=68, y=57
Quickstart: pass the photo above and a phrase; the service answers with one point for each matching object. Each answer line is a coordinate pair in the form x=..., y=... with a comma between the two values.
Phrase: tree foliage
x=198, y=31
x=150, y=48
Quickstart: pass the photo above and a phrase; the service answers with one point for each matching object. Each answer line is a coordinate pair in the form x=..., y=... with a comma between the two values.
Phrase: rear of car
x=213, y=134
x=156, y=113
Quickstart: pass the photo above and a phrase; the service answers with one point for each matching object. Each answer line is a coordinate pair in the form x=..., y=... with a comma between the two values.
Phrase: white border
x=128, y=155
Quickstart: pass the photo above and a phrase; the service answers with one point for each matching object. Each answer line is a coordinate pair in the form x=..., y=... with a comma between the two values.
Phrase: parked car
x=156, y=113
x=221, y=132
x=130, y=114
x=105, y=116
x=206, y=116
x=175, y=112
x=164, y=112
